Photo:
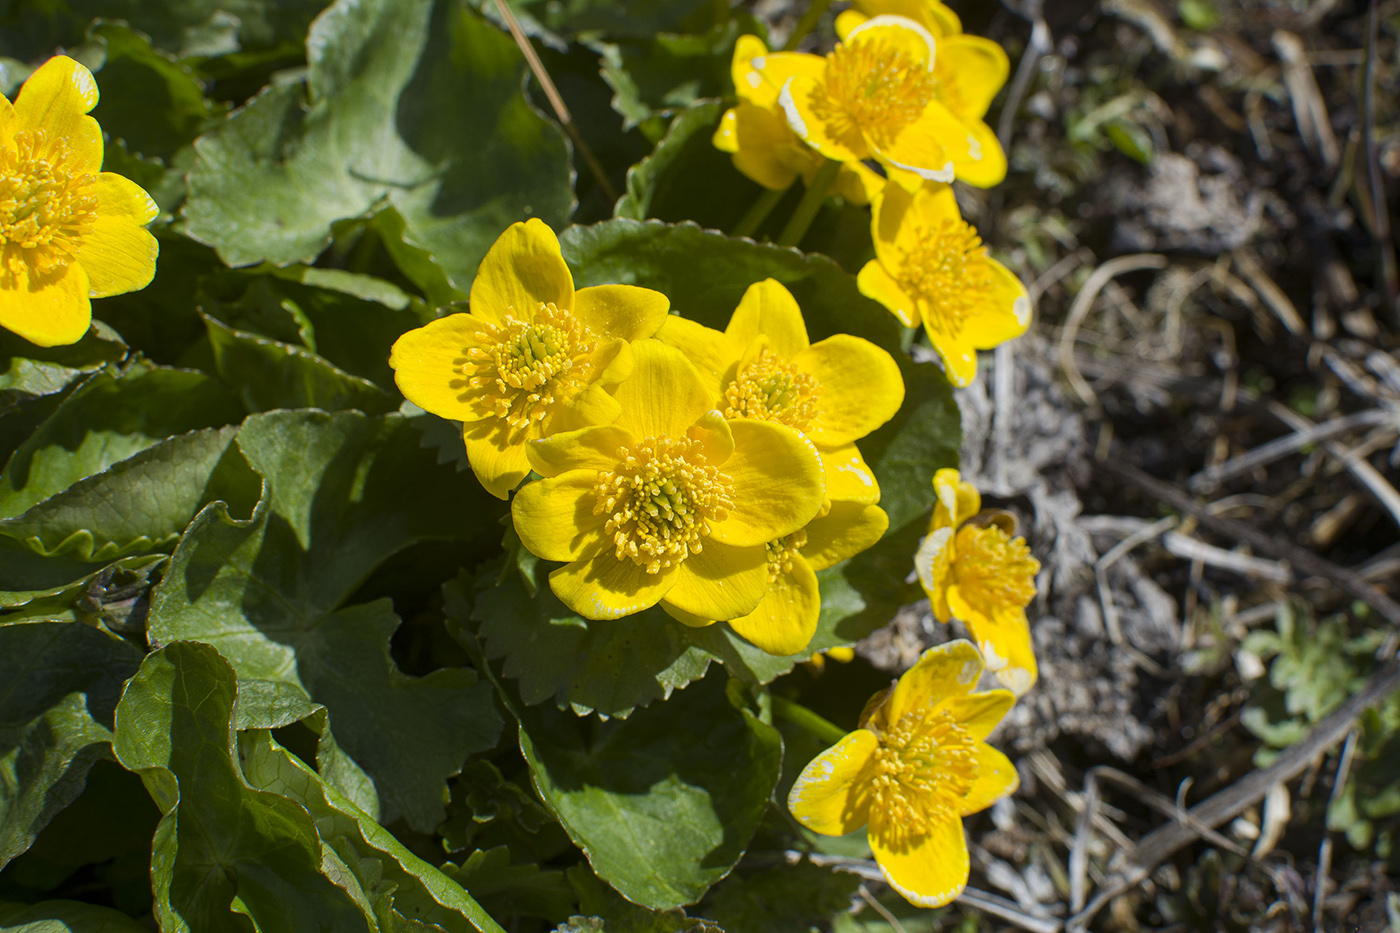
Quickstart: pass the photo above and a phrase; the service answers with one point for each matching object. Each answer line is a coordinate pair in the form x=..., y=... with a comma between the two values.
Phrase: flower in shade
x=980, y=574
x=69, y=232
x=876, y=97
x=532, y=358
x=968, y=71
x=931, y=268
x=670, y=503
x=757, y=134
x=916, y=766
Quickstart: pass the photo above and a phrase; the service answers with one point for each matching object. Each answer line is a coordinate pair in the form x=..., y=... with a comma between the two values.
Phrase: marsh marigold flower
x=757, y=134
x=670, y=503
x=931, y=268
x=917, y=765
x=836, y=391
x=532, y=358
x=983, y=576
x=876, y=96
x=968, y=71
x=69, y=232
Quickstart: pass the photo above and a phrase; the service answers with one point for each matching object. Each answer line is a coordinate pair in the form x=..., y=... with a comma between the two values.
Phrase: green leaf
x=219, y=837
x=59, y=684
x=65, y=917
x=417, y=264
x=29, y=370
x=662, y=175
x=109, y=418
x=270, y=374
x=600, y=901
x=368, y=126
x=707, y=273
x=662, y=803
x=661, y=73
x=514, y=890
x=345, y=492
x=782, y=899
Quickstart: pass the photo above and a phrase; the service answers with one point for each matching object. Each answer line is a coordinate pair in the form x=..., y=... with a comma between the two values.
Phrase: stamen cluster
x=45, y=208
x=773, y=389
x=873, y=88
x=782, y=552
x=948, y=268
x=660, y=501
x=522, y=367
x=924, y=768
x=993, y=568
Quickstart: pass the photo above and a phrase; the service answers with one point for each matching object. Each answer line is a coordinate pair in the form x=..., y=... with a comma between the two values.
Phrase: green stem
x=759, y=212
x=811, y=202
x=806, y=24
x=801, y=716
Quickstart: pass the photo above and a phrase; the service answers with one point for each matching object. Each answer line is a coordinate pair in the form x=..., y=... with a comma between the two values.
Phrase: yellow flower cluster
x=69, y=232
x=907, y=91
x=711, y=473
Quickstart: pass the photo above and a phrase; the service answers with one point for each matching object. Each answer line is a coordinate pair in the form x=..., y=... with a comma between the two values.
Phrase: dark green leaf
x=662, y=803
x=520, y=890
x=368, y=126
x=59, y=684
x=65, y=917
x=783, y=899
x=29, y=370
x=661, y=175
x=345, y=492
x=660, y=74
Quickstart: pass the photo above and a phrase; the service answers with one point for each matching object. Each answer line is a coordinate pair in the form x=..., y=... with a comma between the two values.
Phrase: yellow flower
x=877, y=97
x=982, y=575
x=670, y=503
x=531, y=359
x=930, y=267
x=918, y=764
x=69, y=232
x=968, y=71
x=756, y=132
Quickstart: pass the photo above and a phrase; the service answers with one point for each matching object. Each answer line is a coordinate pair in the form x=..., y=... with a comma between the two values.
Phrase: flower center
x=994, y=569
x=948, y=269
x=772, y=389
x=873, y=89
x=924, y=768
x=45, y=207
x=781, y=552
x=660, y=501
x=519, y=369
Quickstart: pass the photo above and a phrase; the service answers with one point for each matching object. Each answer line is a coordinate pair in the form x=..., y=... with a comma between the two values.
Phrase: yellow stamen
x=660, y=501
x=872, y=89
x=924, y=768
x=46, y=208
x=949, y=270
x=520, y=368
x=772, y=389
x=994, y=569
x=781, y=552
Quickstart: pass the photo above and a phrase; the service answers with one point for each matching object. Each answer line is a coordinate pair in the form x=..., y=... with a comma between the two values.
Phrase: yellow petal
x=48, y=310
x=428, y=362
x=1004, y=636
x=767, y=150
x=625, y=311
x=8, y=122
x=803, y=102
x=957, y=352
x=593, y=406
x=984, y=163
x=923, y=149
x=715, y=436
x=996, y=777
x=603, y=587
x=776, y=68
x=720, y=582
x=832, y=794
x=710, y=350
x=956, y=501
x=747, y=77
x=118, y=253
x=899, y=32
x=857, y=182
x=979, y=713
x=554, y=517
x=876, y=283
x=932, y=562
x=499, y=463
x=666, y=393
x=930, y=868
x=978, y=66
x=778, y=484
x=685, y=618
x=56, y=99
x=726, y=138
x=846, y=530
x=1006, y=314
x=523, y=269
x=861, y=388
x=785, y=620
x=931, y=14
x=848, y=478
x=847, y=20
x=595, y=448
x=768, y=309
x=946, y=670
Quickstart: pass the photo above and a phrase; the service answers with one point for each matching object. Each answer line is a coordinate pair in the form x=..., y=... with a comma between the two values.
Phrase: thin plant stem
x=811, y=202
x=806, y=24
x=803, y=718
x=759, y=212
